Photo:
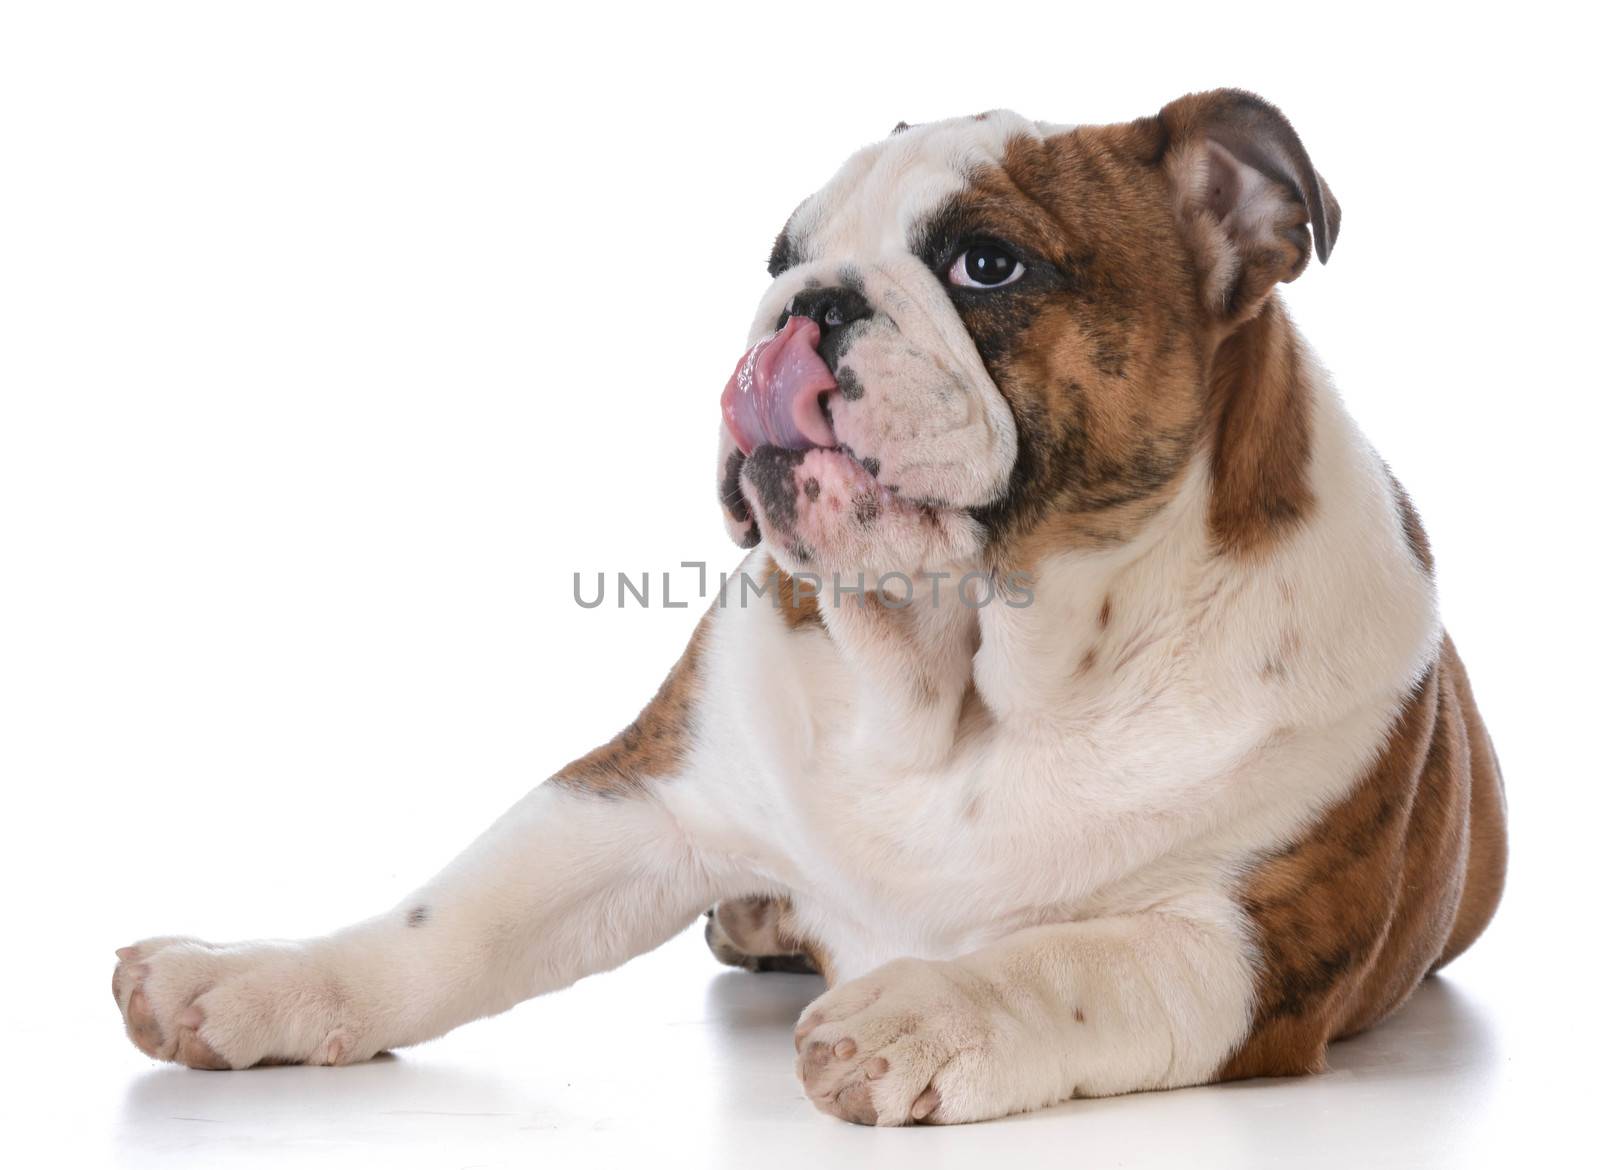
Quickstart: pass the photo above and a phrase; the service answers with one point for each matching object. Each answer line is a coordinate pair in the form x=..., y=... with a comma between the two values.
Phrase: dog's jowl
x=1207, y=794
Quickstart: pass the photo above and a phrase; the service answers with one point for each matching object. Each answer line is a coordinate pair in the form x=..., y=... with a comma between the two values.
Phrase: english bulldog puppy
x=1177, y=780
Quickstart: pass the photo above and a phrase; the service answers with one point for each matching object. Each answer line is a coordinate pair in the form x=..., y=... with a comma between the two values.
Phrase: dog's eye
x=985, y=266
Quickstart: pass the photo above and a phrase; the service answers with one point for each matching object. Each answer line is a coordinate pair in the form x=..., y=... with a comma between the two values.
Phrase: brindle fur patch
x=1411, y=525
x=1117, y=369
x=1261, y=445
x=655, y=745
x=1390, y=884
x=1099, y=349
x=796, y=603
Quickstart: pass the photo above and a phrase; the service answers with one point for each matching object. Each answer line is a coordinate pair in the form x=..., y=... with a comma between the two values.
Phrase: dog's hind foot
x=753, y=934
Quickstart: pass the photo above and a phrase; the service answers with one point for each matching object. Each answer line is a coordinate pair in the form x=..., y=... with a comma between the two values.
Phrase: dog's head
x=988, y=328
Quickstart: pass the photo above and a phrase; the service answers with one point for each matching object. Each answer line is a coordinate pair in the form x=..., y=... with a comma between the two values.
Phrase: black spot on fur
x=866, y=508
x=899, y=128
x=849, y=385
x=813, y=489
x=836, y=343
x=728, y=490
x=417, y=916
x=732, y=497
x=872, y=466
x=782, y=257
x=771, y=473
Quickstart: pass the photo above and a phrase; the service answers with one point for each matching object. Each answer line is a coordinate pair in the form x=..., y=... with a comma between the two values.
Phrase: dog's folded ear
x=1251, y=204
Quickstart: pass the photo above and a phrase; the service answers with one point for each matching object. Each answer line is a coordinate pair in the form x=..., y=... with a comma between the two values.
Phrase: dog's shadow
x=1423, y=1082
x=770, y=1002
x=1437, y=1031
x=386, y=1085
x=1440, y=1030
x=569, y=1072
x=1422, y=1075
x=1418, y=1074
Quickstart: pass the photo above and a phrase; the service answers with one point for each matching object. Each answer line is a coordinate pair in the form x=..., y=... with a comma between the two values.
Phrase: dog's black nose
x=830, y=308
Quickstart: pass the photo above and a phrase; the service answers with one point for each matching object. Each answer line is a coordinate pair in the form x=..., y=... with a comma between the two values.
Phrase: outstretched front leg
x=1093, y=1008
x=585, y=872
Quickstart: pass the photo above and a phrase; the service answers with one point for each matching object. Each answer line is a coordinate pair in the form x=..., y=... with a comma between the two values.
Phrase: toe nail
x=845, y=1049
x=876, y=1067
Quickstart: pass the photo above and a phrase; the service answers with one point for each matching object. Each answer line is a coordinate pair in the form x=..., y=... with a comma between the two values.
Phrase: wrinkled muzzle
x=856, y=442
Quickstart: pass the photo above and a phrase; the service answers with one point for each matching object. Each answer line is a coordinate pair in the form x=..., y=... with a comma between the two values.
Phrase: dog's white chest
x=1013, y=828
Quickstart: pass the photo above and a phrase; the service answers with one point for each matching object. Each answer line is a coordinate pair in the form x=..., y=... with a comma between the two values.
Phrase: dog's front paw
x=914, y=1041
x=224, y=1007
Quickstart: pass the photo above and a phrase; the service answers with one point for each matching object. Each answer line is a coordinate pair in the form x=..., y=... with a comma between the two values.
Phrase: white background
x=334, y=338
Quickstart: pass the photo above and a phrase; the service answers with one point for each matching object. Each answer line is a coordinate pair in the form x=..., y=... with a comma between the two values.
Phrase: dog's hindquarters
x=1390, y=884
x=1486, y=819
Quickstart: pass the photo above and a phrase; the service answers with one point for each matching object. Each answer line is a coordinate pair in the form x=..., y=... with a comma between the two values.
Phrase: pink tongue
x=775, y=394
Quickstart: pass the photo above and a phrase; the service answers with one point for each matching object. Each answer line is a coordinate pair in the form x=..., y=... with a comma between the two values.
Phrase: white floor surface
x=673, y=1061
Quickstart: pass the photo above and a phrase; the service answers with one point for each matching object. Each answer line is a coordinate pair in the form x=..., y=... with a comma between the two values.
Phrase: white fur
x=1031, y=843
x=1118, y=805
x=560, y=887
